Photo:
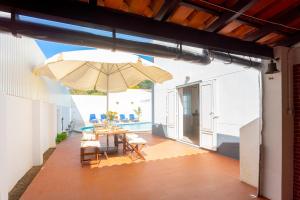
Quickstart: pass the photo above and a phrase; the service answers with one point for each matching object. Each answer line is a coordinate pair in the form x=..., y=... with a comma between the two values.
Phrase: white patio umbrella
x=101, y=70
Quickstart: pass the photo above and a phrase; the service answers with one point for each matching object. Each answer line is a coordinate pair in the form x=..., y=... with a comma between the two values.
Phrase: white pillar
x=37, y=154
x=52, y=125
x=272, y=130
x=3, y=150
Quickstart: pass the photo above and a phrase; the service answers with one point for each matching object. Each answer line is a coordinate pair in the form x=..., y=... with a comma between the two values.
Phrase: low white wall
x=19, y=137
x=27, y=132
x=123, y=102
x=249, y=153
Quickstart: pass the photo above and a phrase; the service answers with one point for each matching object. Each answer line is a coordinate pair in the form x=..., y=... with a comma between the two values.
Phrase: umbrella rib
x=120, y=69
x=122, y=76
x=100, y=71
x=144, y=74
x=97, y=68
x=73, y=71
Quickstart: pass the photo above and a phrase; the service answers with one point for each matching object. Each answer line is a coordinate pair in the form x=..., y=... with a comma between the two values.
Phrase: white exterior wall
x=237, y=91
x=28, y=114
x=123, y=102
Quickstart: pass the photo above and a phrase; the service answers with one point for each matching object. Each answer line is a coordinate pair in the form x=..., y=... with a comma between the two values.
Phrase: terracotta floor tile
x=172, y=170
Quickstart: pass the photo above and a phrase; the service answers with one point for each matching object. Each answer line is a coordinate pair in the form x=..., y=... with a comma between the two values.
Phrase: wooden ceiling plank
x=241, y=6
x=166, y=10
x=198, y=8
x=82, y=14
x=290, y=41
x=268, y=28
x=180, y=15
x=276, y=8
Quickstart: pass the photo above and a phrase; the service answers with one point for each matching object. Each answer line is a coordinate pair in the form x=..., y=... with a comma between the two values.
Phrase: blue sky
x=52, y=48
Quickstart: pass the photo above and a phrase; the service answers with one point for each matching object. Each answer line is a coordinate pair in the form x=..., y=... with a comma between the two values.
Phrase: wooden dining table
x=114, y=131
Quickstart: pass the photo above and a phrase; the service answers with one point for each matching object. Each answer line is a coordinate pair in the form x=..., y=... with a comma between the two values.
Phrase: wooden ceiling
x=231, y=26
x=218, y=16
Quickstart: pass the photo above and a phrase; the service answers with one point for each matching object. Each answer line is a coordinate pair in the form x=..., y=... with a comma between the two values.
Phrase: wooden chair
x=135, y=144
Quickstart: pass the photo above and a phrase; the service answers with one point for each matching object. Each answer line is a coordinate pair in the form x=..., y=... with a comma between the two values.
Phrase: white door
x=171, y=114
x=207, y=116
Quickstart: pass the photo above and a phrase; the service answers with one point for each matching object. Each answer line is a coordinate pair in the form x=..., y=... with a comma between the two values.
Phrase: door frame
x=213, y=119
x=175, y=112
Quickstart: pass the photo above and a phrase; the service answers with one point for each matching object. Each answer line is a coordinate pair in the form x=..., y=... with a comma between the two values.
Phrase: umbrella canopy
x=101, y=70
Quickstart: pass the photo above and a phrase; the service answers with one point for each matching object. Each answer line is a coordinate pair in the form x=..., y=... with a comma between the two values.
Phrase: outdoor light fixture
x=272, y=68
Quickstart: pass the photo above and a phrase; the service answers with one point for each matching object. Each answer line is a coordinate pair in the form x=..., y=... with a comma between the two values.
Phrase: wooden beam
x=264, y=29
x=282, y=18
x=240, y=7
x=167, y=9
x=287, y=16
x=197, y=7
x=290, y=41
x=82, y=14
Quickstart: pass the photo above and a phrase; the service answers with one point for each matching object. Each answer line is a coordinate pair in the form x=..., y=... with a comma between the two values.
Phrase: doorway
x=189, y=97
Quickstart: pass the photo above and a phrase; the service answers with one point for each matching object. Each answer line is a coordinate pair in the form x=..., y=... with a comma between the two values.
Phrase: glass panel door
x=190, y=103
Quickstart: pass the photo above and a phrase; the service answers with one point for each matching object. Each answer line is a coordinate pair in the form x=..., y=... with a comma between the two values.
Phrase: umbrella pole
x=107, y=102
x=107, y=94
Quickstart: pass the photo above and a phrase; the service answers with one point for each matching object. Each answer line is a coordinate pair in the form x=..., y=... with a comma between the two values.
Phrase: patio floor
x=171, y=171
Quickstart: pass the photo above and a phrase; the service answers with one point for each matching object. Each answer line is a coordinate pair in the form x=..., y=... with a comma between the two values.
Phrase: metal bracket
x=114, y=46
x=13, y=18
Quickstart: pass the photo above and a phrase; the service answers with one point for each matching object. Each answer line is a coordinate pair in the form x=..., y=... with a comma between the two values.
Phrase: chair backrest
x=92, y=117
x=122, y=116
x=131, y=116
x=103, y=116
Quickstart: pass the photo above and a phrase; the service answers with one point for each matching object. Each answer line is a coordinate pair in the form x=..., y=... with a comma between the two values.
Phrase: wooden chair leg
x=138, y=152
x=105, y=154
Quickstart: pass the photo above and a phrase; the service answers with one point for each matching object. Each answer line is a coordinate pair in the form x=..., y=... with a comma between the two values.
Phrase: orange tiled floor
x=172, y=171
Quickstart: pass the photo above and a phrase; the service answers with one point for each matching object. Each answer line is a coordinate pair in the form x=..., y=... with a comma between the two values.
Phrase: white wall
x=249, y=153
x=237, y=91
x=3, y=151
x=123, y=102
x=28, y=116
x=19, y=137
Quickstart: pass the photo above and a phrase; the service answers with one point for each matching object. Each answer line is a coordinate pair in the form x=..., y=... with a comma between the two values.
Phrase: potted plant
x=138, y=113
x=111, y=116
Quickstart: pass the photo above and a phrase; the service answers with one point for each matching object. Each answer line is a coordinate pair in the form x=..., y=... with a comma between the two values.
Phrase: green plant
x=138, y=112
x=89, y=92
x=111, y=115
x=60, y=137
x=143, y=85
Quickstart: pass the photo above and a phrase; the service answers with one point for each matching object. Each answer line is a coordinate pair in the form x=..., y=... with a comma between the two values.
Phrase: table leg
x=116, y=140
x=124, y=143
x=107, y=142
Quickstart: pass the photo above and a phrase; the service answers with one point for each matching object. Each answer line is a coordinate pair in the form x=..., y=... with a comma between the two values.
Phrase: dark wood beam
x=167, y=9
x=288, y=15
x=290, y=41
x=101, y=18
x=282, y=18
x=197, y=7
x=263, y=29
x=240, y=7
